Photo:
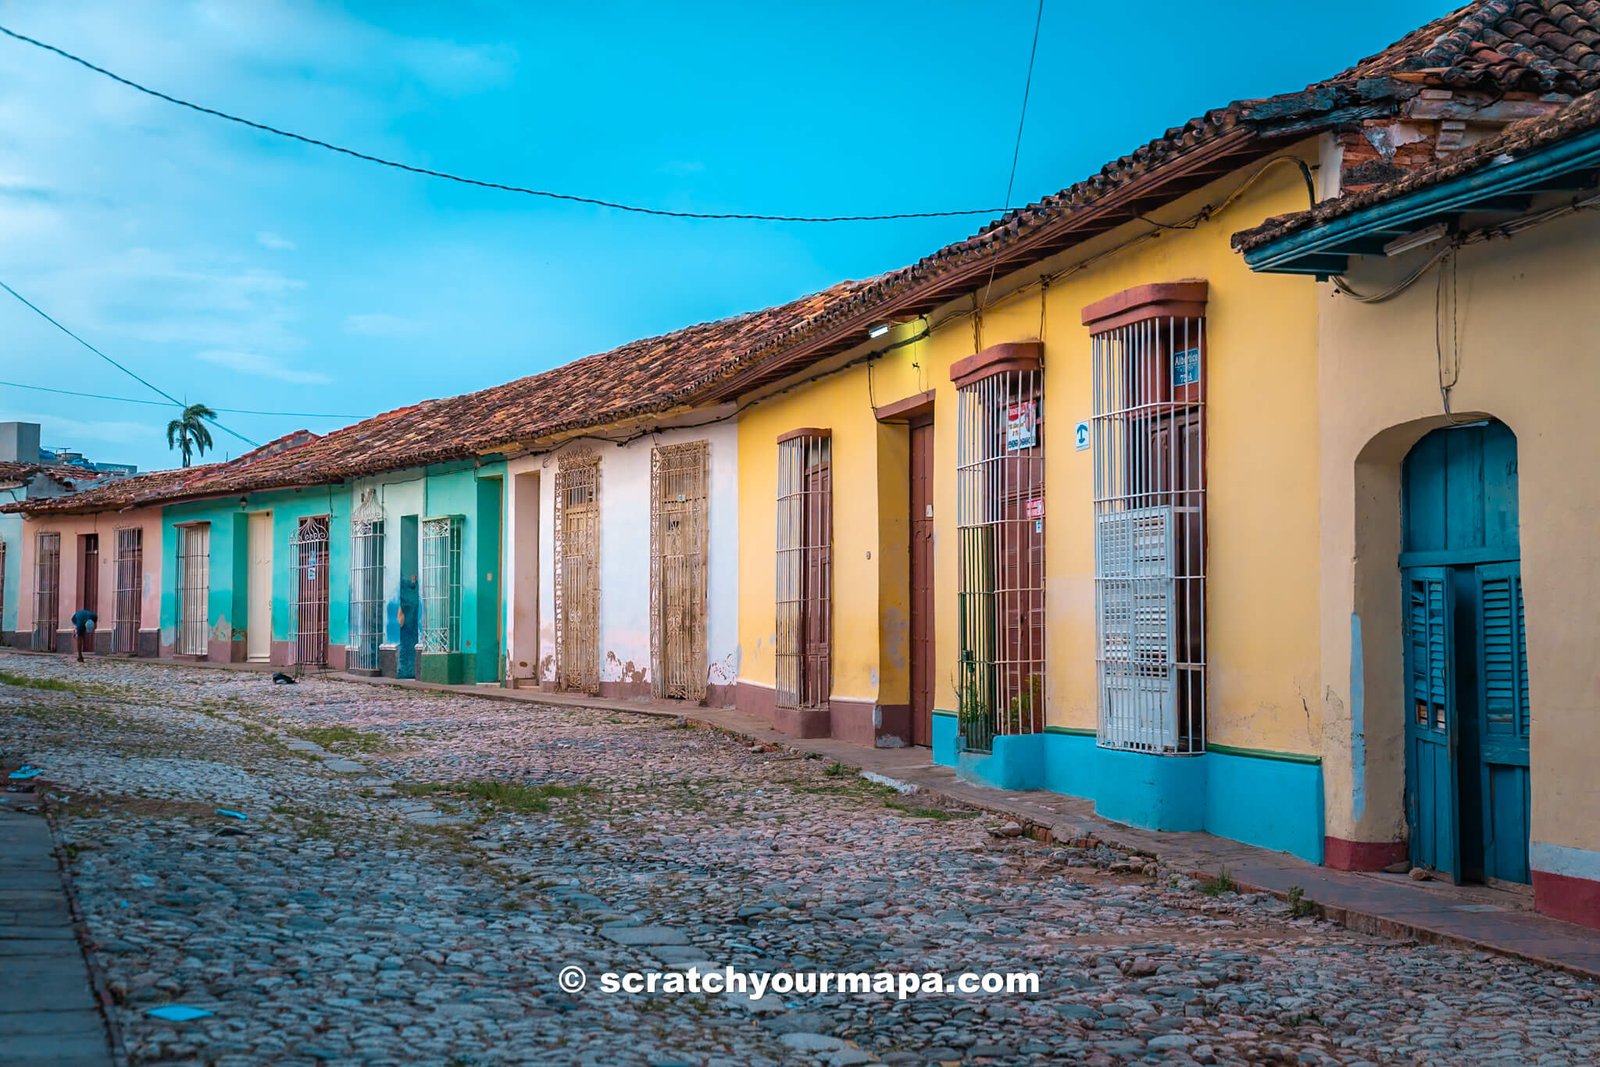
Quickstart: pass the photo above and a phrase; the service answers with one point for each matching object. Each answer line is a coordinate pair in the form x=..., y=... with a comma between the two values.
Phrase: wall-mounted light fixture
x=1437, y=232
x=878, y=331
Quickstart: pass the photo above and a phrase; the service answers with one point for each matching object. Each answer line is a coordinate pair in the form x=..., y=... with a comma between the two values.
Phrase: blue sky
x=243, y=271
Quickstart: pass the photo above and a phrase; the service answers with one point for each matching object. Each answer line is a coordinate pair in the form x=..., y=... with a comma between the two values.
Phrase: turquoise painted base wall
x=1259, y=799
x=11, y=579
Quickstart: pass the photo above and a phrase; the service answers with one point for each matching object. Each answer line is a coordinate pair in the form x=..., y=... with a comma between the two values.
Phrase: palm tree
x=189, y=434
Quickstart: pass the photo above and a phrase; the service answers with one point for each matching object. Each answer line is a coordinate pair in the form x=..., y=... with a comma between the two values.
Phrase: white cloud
x=276, y=242
x=379, y=324
x=88, y=436
x=260, y=366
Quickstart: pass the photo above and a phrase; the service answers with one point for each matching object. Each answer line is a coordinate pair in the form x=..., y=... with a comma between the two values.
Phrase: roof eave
x=1176, y=177
x=1325, y=248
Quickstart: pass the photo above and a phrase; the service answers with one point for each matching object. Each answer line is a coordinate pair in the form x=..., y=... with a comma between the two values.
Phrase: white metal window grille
x=46, y=591
x=1148, y=440
x=441, y=584
x=1000, y=531
x=308, y=619
x=194, y=588
x=803, y=655
x=366, y=583
x=128, y=577
x=577, y=571
x=678, y=534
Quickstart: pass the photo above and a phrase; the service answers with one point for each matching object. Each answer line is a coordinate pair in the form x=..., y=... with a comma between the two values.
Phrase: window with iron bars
x=46, y=591
x=1148, y=439
x=803, y=655
x=194, y=588
x=366, y=584
x=309, y=618
x=441, y=584
x=1000, y=536
x=129, y=580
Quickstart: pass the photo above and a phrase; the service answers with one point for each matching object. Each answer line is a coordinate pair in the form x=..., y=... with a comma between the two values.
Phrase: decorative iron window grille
x=1148, y=437
x=577, y=571
x=308, y=618
x=128, y=577
x=803, y=655
x=46, y=591
x=441, y=584
x=194, y=588
x=1000, y=530
x=678, y=535
x=366, y=583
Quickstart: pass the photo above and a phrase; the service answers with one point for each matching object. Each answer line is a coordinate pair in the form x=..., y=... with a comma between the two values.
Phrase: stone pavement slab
x=1392, y=906
x=48, y=1015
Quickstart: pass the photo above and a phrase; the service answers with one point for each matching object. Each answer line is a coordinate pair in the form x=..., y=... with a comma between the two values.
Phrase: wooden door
x=258, y=599
x=578, y=576
x=922, y=625
x=1432, y=734
x=89, y=572
x=1468, y=712
x=817, y=587
x=678, y=579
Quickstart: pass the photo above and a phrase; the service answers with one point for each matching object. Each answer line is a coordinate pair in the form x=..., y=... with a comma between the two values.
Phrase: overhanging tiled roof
x=183, y=483
x=641, y=378
x=1554, y=153
x=1537, y=46
x=719, y=360
x=14, y=473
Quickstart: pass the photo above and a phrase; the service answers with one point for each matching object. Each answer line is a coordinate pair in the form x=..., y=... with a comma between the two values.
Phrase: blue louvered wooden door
x=1502, y=726
x=1432, y=723
x=1467, y=708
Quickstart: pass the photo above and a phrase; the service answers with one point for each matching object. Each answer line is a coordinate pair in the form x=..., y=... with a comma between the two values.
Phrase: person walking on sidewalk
x=83, y=621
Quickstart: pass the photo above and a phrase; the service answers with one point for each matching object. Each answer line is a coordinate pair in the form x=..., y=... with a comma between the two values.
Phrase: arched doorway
x=1467, y=712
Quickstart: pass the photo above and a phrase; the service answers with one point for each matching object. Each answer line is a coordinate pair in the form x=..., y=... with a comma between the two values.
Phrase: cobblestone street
x=416, y=868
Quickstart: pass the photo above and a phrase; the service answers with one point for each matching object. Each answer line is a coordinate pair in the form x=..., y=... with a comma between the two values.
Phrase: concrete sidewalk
x=48, y=1014
x=1494, y=919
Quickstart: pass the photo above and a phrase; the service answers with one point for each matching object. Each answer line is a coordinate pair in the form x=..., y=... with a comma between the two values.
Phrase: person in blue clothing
x=83, y=621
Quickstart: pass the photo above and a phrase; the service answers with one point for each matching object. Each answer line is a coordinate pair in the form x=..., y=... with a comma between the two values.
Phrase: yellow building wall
x=1262, y=617
x=1528, y=357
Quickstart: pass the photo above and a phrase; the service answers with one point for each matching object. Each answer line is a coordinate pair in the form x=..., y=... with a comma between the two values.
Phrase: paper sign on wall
x=1021, y=427
x=1080, y=437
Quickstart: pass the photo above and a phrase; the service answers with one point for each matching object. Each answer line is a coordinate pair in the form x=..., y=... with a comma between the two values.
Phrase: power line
x=142, y=381
x=480, y=183
x=1016, y=149
x=162, y=404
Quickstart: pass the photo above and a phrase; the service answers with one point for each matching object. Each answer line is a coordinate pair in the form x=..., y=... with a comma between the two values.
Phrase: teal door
x=1467, y=712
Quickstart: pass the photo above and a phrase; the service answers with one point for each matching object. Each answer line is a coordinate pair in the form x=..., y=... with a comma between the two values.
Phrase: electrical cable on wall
x=504, y=187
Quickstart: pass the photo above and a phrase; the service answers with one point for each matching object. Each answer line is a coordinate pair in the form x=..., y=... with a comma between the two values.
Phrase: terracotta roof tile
x=1515, y=140
x=1506, y=45
x=65, y=473
x=644, y=377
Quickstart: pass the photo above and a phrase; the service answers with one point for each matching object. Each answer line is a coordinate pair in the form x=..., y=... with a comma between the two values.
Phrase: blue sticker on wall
x=1185, y=367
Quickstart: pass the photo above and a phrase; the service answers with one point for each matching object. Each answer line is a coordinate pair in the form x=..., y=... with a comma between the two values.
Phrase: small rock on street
x=415, y=869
